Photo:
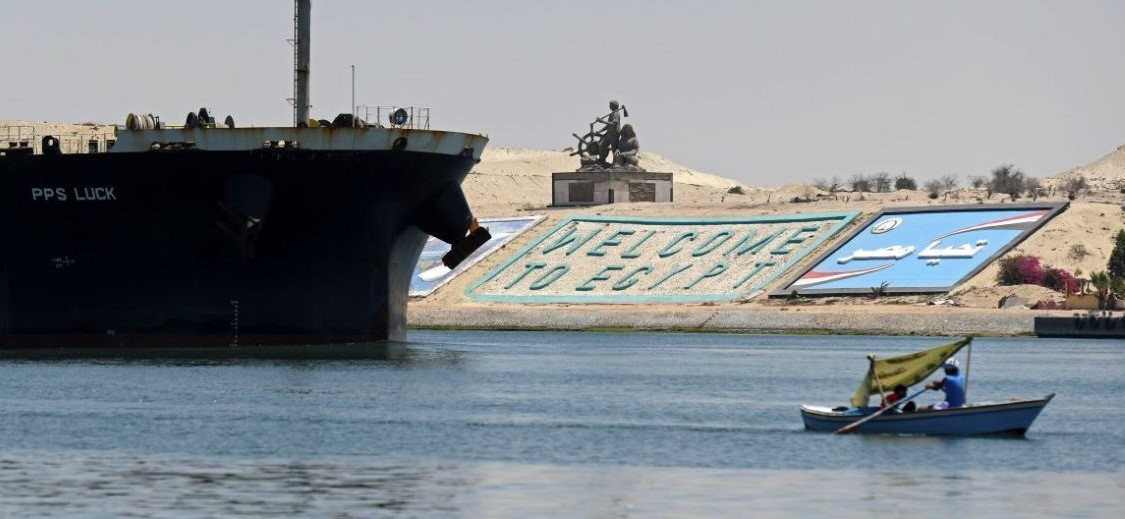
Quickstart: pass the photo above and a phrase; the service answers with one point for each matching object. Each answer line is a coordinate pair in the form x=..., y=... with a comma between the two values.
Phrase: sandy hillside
x=509, y=179
x=1109, y=169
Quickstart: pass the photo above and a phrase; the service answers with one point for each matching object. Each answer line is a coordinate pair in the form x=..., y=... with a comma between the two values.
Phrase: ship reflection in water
x=393, y=351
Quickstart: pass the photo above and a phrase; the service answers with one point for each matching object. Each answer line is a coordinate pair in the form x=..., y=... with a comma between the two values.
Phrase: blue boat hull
x=1011, y=418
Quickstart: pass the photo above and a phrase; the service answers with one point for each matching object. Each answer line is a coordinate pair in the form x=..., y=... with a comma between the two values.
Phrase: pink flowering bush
x=1020, y=270
x=1028, y=270
x=1060, y=280
x=1031, y=272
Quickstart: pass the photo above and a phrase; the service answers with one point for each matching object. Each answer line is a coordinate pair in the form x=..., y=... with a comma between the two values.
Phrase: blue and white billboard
x=921, y=250
x=430, y=273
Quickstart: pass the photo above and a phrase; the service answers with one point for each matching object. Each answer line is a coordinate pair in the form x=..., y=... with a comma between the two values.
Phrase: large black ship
x=210, y=234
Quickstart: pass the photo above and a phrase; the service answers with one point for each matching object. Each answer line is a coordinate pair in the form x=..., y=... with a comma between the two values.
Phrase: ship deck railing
x=26, y=136
x=390, y=116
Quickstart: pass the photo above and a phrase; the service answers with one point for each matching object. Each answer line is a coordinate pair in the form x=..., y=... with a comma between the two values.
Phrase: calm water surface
x=547, y=424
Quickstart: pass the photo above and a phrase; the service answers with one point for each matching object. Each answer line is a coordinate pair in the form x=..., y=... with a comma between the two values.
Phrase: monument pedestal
x=609, y=186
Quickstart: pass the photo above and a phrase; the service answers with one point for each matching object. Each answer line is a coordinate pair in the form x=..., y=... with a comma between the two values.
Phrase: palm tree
x=1116, y=291
x=1103, y=284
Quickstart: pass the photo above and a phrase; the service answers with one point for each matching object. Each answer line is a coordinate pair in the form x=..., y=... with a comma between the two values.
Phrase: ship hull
x=218, y=248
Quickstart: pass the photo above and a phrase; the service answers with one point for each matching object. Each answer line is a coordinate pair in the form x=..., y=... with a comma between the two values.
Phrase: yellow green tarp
x=907, y=369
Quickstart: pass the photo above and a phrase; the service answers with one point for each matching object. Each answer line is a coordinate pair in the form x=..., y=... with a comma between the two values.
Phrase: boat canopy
x=906, y=369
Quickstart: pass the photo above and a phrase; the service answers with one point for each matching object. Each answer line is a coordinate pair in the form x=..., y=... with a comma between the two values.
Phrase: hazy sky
x=762, y=92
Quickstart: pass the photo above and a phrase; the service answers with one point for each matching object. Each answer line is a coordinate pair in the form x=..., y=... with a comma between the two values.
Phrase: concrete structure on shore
x=579, y=188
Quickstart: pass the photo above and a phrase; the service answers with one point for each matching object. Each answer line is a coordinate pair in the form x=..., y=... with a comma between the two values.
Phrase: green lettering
x=600, y=276
x=758, y=266
x=629, y=280
x=712, y=243
x=574, y=241
x=714, y=271
x=754, y=247
x=794, y=239
x=529, y=267
x=551, y=276
x=612, y=241
x=631, y=253
x=667, y=250
x=675, y=271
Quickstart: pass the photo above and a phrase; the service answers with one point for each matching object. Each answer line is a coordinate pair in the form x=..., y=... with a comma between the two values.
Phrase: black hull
x=218, y=248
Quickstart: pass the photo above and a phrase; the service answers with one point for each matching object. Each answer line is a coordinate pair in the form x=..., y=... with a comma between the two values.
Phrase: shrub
x=1034, y=188
x=904, y=182
x=948, y=182
x=860, y=183
x=1031, y=271
x=1020, y=270
x=1075, y=185
x=1028, y=270
x=735, y=190
x=1060, y=280
x=1077, y=252
x=881, y=181
x=1009, y=273
x=1007, y=179
x=934, y=187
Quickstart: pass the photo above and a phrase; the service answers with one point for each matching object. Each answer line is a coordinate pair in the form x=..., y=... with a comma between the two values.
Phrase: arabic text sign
x=921, y=250
x=430, y=273
x=624, y=260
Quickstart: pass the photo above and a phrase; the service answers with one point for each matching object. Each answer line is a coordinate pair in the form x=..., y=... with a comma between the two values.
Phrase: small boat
x=1013, y=417
x=986, y=418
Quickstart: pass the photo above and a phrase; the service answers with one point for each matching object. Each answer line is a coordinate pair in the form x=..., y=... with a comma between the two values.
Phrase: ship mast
x=301, y=25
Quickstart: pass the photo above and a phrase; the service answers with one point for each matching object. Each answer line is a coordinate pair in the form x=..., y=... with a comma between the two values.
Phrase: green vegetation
x=1073, y=186
x=1007, y=179
x=1116, y=265
x=1026, y=269
x=904, y=182
x=1077, y=252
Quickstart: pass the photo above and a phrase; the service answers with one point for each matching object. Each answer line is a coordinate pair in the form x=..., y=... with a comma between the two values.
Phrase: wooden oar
x=854, y=425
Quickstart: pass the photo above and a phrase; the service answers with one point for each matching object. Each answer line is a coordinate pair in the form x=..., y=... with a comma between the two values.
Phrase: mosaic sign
x=430, y=273
x=591, y=259
x=921, y=250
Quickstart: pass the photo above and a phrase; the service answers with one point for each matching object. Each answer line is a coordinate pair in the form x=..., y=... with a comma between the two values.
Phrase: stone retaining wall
x=741, y=318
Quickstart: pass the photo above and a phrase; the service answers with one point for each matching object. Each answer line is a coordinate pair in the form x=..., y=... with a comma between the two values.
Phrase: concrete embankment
x=890, y=320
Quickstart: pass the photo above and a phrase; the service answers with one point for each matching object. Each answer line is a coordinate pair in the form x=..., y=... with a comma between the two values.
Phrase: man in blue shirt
x=953, y=384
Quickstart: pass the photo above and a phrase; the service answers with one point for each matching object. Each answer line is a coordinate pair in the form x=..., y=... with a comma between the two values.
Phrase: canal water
x=546, y=424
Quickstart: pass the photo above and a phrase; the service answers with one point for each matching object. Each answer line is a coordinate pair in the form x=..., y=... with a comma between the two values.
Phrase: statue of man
x=611, y=132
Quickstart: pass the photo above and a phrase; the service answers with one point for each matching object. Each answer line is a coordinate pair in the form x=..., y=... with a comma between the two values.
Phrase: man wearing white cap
x=953, y=384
